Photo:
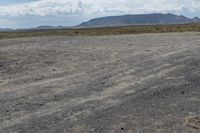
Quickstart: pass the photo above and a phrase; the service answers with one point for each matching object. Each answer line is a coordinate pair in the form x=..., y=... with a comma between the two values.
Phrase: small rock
x=92, y=130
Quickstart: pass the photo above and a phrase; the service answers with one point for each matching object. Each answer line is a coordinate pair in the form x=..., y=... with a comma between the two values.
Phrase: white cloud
x=42, y=8
x=72, y=12
x=92, y=7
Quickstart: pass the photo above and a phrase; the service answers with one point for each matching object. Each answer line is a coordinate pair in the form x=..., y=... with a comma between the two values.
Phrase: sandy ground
x=146, y=83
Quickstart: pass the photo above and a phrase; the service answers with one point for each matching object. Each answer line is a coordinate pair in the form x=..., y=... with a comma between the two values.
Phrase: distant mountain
x=5, y=29
x=47, y=27
x=196, y=19
x=140, y=19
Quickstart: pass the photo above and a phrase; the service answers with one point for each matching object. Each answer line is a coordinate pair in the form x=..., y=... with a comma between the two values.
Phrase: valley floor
x=148, y=83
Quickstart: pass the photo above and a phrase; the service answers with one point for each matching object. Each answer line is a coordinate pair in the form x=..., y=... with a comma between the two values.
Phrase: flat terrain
x=148, y=83
x=118, y=30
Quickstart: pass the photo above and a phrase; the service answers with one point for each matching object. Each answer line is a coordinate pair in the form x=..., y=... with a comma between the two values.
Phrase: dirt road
x=147, y=83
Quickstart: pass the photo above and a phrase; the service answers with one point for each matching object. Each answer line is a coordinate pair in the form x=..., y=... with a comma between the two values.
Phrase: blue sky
x=31, y=13
x=7, y=2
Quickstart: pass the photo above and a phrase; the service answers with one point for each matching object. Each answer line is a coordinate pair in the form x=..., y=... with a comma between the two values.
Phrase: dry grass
x=193, y=121
x=137, y=29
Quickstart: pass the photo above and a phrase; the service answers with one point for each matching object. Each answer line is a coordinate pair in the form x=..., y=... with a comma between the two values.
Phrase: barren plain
x=148, y=83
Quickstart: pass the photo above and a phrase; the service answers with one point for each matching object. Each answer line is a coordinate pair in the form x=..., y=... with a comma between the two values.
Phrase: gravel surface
x=148, y=83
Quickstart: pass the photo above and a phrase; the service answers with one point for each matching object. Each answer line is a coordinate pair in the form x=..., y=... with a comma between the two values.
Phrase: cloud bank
x=75, y=11
x=92, y=7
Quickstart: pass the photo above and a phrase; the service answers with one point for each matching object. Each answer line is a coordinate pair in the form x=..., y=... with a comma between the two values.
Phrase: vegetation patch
x=193, y=121
x=136, y=29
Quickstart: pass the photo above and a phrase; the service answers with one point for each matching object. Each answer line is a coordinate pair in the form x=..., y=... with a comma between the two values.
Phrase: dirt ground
x=148, y=83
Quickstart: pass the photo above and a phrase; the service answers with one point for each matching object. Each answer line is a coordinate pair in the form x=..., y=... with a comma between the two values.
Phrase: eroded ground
x=146, y=83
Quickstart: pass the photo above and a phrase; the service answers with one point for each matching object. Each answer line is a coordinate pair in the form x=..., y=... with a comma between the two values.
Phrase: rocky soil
x=148, y=83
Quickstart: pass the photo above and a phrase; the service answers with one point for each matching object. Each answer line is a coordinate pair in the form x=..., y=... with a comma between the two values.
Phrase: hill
x=141, y=19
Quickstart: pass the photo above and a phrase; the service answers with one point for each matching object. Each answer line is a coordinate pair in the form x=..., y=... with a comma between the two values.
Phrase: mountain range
x=124, y=20
x=139, y=19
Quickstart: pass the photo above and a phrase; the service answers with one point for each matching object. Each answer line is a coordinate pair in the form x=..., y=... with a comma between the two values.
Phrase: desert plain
x=147, y=83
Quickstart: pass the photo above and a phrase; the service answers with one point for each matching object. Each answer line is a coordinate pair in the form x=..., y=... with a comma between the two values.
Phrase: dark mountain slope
x=141, y=19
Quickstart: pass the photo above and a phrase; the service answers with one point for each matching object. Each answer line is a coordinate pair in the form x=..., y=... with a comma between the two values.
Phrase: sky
x=32, y=13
